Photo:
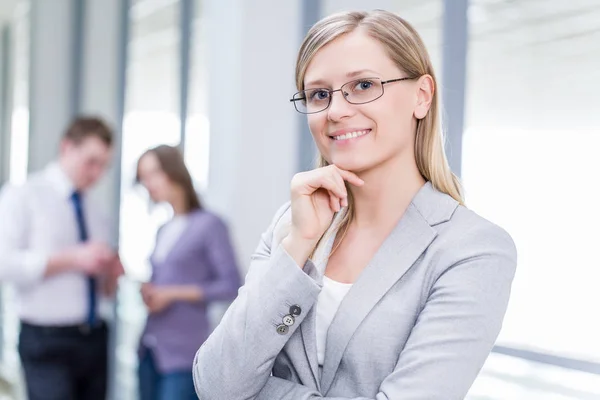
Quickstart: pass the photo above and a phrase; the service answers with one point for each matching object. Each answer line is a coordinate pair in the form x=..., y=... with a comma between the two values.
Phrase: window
x=197, y=141
x=530, y=165
x=151, y=118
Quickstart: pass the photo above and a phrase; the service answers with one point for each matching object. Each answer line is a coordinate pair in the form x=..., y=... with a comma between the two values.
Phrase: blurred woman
x=193, y=263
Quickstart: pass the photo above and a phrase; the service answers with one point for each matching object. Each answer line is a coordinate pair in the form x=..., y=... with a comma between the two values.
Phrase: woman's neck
x=387, y=193
x=178, y=203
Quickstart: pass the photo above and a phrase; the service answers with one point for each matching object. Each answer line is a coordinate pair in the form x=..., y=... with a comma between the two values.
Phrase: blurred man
x=54, y=246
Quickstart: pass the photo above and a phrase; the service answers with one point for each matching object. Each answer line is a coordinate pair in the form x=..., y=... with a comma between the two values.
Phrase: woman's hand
x=157, y=298
x=316, y=195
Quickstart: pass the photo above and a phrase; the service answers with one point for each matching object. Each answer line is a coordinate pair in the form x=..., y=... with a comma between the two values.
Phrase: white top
x=329, y=301
x=38, y=219
x=168, y=236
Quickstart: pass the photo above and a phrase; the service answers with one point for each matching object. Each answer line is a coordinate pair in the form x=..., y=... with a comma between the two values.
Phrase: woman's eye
x=319, y=95
x=364, y=85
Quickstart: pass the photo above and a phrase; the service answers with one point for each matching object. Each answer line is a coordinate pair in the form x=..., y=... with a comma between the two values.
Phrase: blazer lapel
x=309, y=338
x=409, y=239
x=316, y=269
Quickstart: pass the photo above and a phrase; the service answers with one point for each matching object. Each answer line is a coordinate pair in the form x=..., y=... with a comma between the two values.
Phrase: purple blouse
x=203, y=256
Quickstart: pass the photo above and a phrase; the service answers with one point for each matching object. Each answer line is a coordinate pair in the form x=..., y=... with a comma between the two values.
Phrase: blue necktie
x=83, y=236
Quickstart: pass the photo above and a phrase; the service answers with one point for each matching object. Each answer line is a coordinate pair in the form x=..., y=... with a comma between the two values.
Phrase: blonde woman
x=375, y=281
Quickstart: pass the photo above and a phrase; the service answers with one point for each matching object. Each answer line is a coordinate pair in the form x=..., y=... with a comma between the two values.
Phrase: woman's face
x=154, y=179
x=359, y=137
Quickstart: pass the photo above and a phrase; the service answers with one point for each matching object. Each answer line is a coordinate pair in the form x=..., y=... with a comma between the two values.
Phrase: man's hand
x=90, y=258
x=93, y=258
x=110, y=278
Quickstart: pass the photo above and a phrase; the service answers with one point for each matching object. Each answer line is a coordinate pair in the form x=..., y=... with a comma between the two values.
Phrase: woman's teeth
x=351, y=135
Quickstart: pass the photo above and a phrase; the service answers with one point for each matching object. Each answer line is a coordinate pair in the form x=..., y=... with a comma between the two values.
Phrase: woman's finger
x=334, y=202
x=340, y=182
x=328, y=182
x=344, y=202
x=351, y=177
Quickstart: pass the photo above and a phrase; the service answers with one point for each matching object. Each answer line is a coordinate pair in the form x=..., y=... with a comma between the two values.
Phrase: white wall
x=253, y=126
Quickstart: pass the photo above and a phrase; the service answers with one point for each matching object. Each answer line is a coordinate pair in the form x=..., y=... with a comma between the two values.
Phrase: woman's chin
x=352, y=165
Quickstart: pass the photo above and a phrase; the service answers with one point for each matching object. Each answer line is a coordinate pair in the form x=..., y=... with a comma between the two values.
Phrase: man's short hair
x=82, y=128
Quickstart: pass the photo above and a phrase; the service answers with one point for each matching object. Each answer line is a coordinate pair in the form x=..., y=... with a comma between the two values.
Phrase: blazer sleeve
x=235, y=362
x=455, y=331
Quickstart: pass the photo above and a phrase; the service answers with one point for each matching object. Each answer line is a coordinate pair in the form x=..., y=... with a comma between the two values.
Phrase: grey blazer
x=417, y=324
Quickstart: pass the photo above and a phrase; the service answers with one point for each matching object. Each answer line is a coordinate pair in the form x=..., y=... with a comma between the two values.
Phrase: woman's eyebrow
x=353, y=74
x=360, y=72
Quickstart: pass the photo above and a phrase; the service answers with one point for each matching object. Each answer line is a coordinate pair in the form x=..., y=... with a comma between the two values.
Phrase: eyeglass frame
x=331, y=92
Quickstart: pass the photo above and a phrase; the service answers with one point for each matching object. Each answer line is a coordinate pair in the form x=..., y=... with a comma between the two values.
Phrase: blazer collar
x=434, y=206
x=399, y=251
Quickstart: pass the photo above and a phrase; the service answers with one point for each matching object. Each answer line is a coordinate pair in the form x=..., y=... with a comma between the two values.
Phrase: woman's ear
x=426, y=89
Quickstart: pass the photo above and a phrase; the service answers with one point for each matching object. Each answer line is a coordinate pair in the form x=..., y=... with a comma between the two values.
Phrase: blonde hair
x=405, y=47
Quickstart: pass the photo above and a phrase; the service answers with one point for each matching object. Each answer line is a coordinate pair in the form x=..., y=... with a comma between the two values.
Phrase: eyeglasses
x=359, y=91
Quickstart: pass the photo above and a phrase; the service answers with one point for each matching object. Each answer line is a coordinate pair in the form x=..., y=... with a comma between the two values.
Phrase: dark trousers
x=177, y=385
x=64, y=363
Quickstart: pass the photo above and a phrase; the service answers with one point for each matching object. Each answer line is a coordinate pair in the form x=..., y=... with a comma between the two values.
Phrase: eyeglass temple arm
x=396, y=80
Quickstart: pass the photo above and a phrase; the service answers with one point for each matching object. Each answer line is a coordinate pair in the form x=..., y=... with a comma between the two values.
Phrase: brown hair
x=82, y=128
x=172, y=164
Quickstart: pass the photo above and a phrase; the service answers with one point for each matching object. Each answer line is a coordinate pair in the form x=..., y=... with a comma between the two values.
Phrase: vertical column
x=104, y=51
x=50, y=77
x=5, y=60
x=307, y=150
x=103, y=82
x=186, y=16
x=77, y=60
x=454, y=72
x=253, y=126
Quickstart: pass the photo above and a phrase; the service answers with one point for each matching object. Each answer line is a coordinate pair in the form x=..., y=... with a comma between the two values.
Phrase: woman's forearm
x=185, y=293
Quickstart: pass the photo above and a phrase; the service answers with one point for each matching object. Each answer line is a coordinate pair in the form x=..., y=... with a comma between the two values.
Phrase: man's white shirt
x=36, y=220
